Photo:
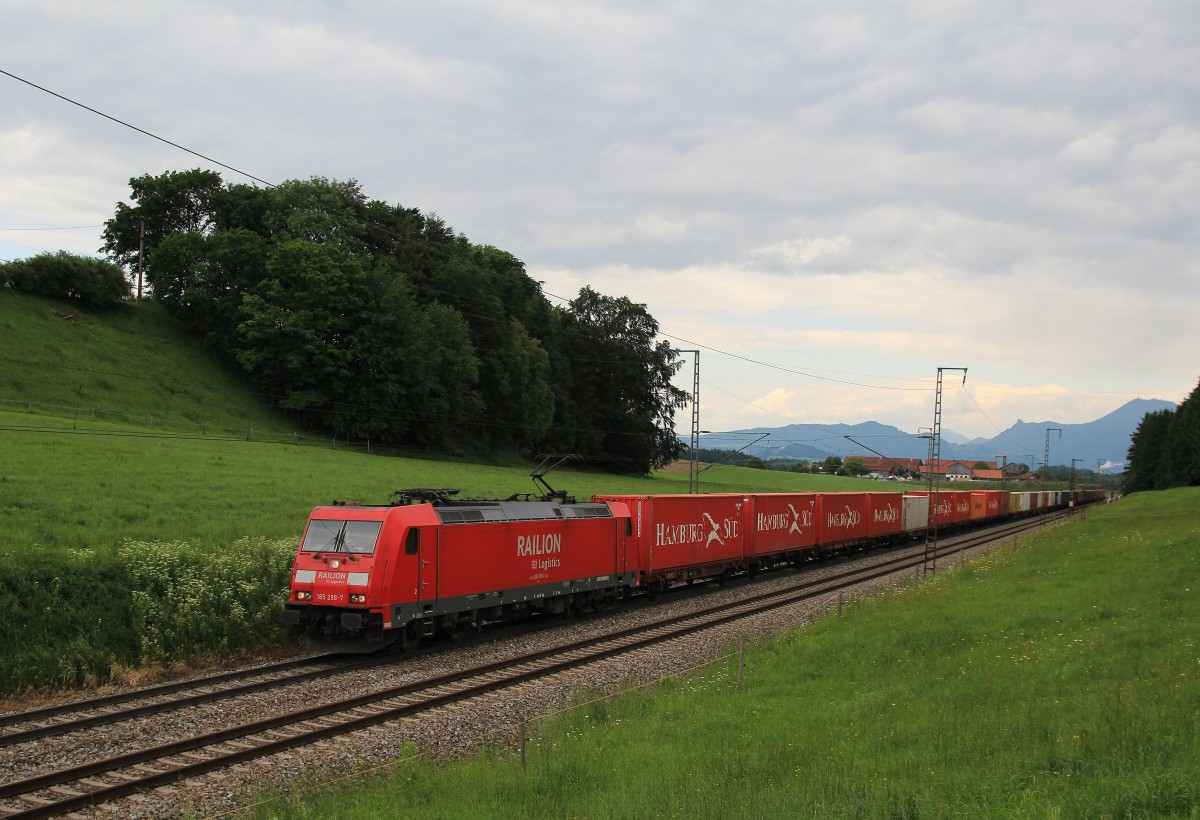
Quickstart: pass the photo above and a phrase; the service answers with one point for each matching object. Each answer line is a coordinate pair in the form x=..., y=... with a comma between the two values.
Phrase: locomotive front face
x=337, y=580
x=339, y=557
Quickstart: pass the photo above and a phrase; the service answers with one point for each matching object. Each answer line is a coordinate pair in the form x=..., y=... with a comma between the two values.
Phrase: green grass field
x=92, y=488
x=1058, y=678
x=130, y=366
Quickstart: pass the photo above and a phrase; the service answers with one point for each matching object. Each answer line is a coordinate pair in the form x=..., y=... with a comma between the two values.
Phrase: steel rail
x=50, y=712
x=44, y=730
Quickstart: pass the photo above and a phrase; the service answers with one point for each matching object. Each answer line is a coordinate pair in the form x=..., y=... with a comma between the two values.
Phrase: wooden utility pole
x=141, y=256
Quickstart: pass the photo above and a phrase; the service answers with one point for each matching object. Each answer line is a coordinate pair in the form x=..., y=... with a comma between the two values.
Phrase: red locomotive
x=367, y=576
x=425, y=564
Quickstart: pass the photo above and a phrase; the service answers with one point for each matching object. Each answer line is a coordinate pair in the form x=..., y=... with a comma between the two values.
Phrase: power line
x=1000, y=432
x=135, y=128
x=789, y=370
x=63, y=228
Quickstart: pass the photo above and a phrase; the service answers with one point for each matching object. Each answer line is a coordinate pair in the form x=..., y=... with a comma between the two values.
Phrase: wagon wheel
x=412, y=636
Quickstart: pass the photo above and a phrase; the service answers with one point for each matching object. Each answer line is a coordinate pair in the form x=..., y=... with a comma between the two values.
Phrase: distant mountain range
x=1105, y=440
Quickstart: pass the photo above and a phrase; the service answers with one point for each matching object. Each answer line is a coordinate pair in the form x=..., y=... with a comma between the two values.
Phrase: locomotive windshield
x=339, y=535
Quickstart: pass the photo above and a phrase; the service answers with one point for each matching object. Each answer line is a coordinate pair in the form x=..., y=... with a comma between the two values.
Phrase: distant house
x=1013, y=472
x=879, y=466
x=950, y=470
x=964, y=470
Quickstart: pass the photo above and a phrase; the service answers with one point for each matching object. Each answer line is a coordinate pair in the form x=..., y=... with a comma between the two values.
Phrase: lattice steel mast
x=933, y=474
x=694, y=464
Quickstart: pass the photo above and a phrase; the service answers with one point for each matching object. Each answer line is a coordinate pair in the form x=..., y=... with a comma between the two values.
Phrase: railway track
x=77, y=787
x=59, y=719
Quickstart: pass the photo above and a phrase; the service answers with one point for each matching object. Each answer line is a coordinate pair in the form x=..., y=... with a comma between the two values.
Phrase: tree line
x=378, y=322
x=1165, y=449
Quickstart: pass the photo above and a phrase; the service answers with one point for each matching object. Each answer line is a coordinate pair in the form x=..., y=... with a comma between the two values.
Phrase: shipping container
x=841, y=517
x=941, y=513
x=985, y=504
x=781, y=522
x=962, y=506
x=885, y=514
x=916, y=512
x=681, y=537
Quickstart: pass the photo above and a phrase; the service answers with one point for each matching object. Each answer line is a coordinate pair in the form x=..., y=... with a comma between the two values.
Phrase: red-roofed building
x=964, y=470
x=884, y=466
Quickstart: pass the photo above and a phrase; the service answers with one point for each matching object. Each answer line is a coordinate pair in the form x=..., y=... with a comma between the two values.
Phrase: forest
x=379, y=323
x=1165, y=449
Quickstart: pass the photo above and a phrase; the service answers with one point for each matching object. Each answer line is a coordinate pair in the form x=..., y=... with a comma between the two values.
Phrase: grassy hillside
x=1056, y=678
x=135, y=501
x=120, y=368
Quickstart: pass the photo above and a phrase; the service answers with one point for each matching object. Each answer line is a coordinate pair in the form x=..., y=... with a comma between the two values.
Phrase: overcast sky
x=830, y=200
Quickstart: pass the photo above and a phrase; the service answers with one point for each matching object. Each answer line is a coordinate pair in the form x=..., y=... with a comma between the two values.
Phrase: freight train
x=427, y=564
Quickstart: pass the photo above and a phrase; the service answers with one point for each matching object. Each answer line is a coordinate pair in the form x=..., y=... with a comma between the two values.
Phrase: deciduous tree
x=63, y=275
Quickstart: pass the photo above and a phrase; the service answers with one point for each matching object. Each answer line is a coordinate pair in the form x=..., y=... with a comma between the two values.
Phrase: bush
x=75, y=617
x=63, y=275
x=189, y=602
x=65, y=620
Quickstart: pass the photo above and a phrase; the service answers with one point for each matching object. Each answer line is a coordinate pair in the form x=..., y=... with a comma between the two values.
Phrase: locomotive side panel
x=525, y=558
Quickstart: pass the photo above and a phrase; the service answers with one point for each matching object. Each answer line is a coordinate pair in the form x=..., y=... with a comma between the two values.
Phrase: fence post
x=522, y=744
x=741, y=660
x=840, y=594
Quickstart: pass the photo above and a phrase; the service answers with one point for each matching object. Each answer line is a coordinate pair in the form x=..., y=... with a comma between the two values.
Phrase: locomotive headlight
x=301, y=595
x=335, y=563
x=358, y=598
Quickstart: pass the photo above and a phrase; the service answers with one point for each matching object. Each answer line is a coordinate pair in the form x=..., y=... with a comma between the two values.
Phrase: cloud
x=853, y=192
x=798, y=253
